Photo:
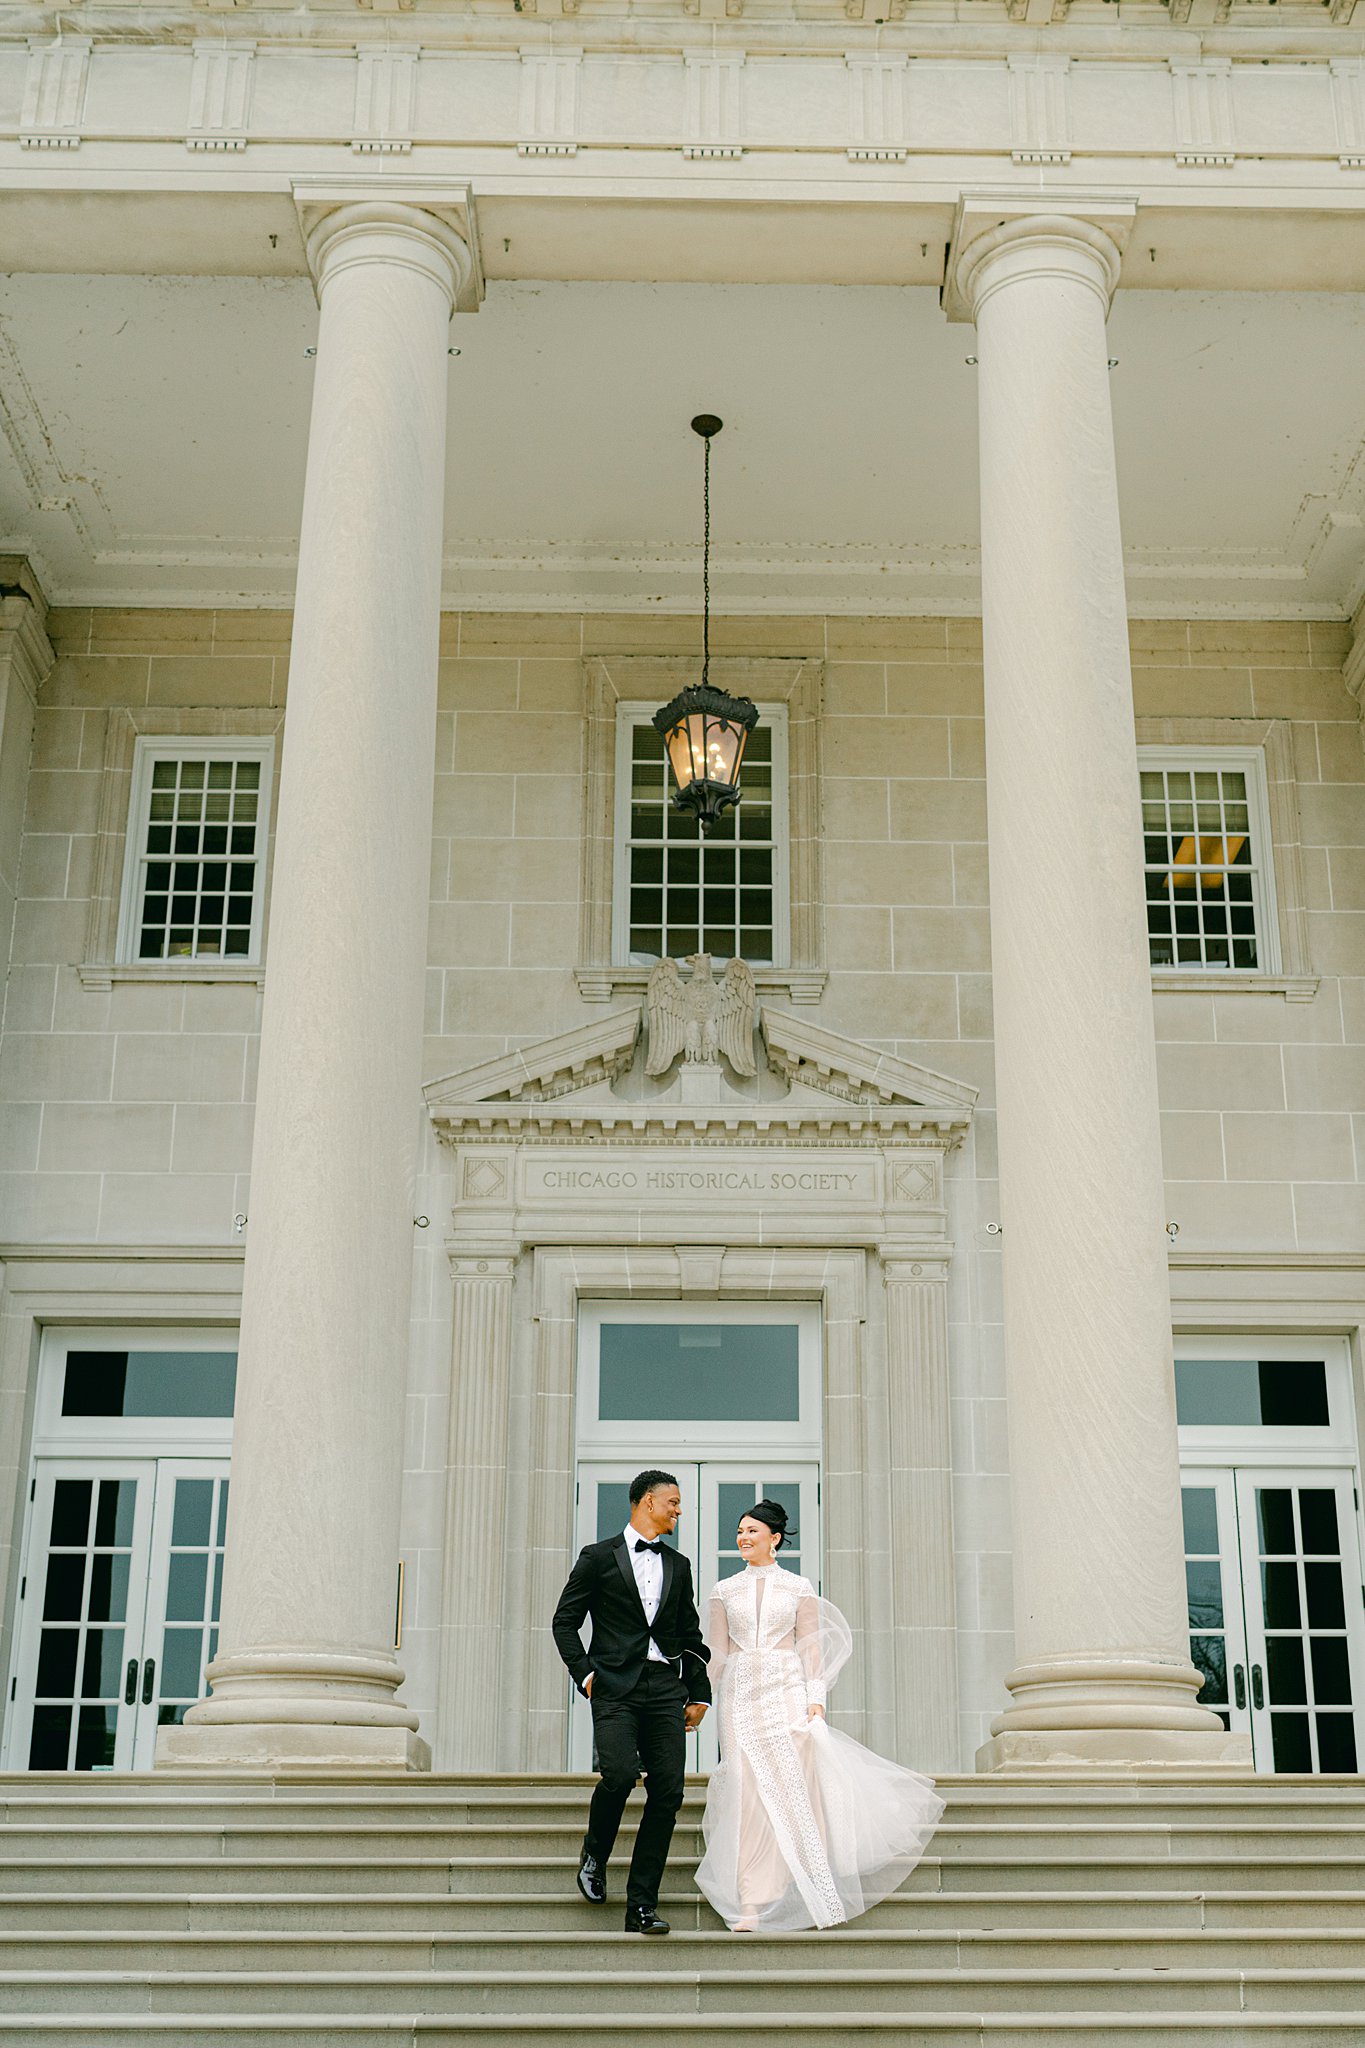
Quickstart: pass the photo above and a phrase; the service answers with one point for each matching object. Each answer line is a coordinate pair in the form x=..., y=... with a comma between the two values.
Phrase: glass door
x=603, y=1511
x=728, y=1491
x=118, y=1608
x=82, y=1607
x=729, y=1396
x=1213, y=1588
x=1301, y=1564
x=1277, y=1610
x=184, y=1595
x=715, y=1494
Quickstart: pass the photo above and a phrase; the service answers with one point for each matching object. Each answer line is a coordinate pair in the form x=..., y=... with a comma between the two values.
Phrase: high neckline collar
x=761, y=1571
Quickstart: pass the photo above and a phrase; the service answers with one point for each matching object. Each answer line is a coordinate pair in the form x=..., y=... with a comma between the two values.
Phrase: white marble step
x=97, y=1836
x=833, y=2029
x=670, y=1989
x=122, y=1948
x=435, y=1913
x=299, y=1912
x=548, y=1874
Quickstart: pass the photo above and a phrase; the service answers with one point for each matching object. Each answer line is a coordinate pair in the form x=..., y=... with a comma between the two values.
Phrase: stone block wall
x=127, y=1109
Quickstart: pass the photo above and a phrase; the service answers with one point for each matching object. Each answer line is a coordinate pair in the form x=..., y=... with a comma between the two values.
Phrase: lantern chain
x=706, y=564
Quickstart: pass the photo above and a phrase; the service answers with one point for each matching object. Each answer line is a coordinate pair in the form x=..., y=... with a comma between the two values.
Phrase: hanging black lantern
x=704, y=729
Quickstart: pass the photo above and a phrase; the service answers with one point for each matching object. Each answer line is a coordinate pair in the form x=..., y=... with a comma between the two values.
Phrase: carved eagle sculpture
x=701, y=1018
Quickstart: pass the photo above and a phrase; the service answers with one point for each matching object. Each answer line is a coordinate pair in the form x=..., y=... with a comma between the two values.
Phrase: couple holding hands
x=803, y=1826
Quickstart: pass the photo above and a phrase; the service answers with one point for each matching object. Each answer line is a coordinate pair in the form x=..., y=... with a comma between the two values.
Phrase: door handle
x=148, y=1681
x=1257, y=1688
x=1239, y=1687
x=130, y=1682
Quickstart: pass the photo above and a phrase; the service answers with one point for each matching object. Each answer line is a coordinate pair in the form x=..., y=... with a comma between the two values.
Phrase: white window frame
x=803, y=1438
x=149, y=749
x=152, y=1436
x=1223, y=1444
x=629, y=715
x=120, y=1441
x=1228, y=1459
x=1251, y=762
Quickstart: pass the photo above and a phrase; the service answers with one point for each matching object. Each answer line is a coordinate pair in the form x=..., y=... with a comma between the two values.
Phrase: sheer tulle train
x=804, y=1827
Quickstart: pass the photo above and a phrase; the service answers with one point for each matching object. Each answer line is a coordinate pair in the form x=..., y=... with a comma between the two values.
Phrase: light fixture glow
x=704, y=729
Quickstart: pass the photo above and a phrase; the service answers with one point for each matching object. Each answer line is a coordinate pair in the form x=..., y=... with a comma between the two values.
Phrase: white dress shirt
x=649, y=1577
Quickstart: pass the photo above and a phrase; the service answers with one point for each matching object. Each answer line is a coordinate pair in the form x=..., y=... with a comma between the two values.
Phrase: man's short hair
x=645, y=1482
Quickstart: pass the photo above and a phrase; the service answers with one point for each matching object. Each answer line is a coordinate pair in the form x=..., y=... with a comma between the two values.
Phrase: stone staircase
x=1140, y=1912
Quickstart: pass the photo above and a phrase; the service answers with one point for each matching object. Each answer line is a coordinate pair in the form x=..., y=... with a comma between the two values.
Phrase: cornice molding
x=1180, y=29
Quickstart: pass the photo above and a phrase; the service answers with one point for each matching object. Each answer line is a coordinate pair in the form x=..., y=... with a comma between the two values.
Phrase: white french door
x=716, y=1492
x=119, y=1605
x=1277, y=1610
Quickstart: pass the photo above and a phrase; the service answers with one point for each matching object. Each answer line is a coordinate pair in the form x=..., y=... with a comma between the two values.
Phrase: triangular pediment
x=572, y=1060
x=809, y=1055
x=590, y=1081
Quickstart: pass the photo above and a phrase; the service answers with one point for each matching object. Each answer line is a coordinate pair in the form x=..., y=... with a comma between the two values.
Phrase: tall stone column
x=1103, y=1672
x=306, y=1672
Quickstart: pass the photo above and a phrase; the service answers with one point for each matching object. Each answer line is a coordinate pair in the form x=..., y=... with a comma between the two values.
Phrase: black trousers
x=646, y=1725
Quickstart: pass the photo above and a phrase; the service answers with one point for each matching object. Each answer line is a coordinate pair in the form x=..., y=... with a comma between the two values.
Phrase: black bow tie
x=657, y=1548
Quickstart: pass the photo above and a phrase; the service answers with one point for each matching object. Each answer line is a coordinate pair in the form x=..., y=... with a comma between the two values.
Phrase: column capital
x=998, y=238
x=431, y=230
x=24, y=644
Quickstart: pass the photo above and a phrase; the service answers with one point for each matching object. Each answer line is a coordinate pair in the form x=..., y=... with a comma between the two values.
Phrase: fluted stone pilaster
x=473, y=1708
x=921, y=1482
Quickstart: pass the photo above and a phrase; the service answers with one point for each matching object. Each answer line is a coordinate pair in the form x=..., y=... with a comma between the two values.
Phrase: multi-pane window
x=1207, y=858
x=196, y=852
x=679, y=894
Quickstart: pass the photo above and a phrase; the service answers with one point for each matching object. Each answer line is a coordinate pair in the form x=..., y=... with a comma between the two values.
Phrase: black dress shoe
x=592, y=1880
x=644, y=1920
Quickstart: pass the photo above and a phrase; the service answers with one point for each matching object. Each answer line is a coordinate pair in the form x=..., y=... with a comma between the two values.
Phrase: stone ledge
x=102, y=974
x=1295, y=988
x=798, y=984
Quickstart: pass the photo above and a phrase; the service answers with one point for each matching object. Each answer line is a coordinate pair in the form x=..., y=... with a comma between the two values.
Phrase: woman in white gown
x=803, y=1826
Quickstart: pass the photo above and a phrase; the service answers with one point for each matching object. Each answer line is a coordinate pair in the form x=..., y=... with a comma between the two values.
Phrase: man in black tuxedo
x=645, y=1673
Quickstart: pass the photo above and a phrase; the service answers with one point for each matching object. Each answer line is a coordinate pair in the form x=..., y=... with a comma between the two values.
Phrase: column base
x=289, y=1746
x=1115, y=1749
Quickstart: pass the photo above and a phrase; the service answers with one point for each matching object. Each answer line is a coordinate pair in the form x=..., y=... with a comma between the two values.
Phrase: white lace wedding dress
x=803, y=1826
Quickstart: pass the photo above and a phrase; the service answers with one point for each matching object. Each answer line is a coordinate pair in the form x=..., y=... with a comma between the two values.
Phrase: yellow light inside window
x=1211, y=862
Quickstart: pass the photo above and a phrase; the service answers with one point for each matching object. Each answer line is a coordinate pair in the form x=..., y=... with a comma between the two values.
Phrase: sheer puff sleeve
x=824, y=1642
x=717, y=1633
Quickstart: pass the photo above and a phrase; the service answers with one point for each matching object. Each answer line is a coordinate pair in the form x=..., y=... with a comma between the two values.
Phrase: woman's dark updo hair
x=773, y=1516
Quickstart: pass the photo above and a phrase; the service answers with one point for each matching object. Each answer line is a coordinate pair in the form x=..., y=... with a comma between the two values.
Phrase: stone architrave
x=607, y=1181
x=1103, y=1672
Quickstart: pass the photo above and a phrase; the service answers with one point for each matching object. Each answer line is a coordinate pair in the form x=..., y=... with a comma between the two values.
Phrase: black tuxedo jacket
x=602, y=1586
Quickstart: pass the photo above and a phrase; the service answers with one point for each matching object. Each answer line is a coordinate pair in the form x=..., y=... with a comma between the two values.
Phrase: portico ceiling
x=155, y=429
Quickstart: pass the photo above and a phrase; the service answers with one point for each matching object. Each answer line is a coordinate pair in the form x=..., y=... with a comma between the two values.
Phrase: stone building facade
x=460, y=1222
